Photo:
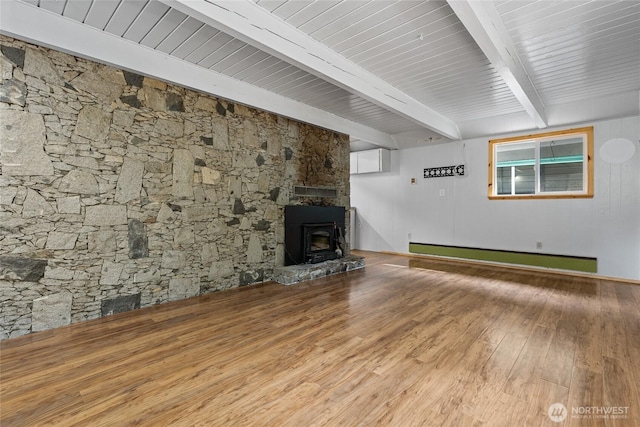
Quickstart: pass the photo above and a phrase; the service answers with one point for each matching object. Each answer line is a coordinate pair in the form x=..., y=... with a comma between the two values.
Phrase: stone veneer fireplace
x=120, y=191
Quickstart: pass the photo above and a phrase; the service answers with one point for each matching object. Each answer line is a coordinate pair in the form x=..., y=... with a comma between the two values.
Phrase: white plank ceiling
x=389, y=73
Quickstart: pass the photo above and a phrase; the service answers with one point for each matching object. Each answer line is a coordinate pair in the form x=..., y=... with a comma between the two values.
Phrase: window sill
x=538, y=196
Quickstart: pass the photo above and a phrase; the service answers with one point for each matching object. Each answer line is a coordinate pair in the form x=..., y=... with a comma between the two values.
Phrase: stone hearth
x=292, y=274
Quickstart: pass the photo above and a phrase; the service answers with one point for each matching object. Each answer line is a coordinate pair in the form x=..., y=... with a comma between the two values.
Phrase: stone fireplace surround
x=119, y=191
x=298, y=267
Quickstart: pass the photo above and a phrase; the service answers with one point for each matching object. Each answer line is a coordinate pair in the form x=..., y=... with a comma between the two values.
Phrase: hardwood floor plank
x=527, y=368
x=630, y=310
x=613, y=324
x=586, y=391
x=620, y=391
x=588, y=352
x=557, y=365
x=405, y=342
x=545, y=394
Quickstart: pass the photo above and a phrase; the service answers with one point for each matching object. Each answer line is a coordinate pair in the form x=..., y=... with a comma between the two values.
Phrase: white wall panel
x=76, y=9
x=55, y=6
x=124, y=16
x=101, y=12
x=222, y=52
x=186, y=29
x=606, y=226
x=144, y=22
x=196, y=40
x=163, y=28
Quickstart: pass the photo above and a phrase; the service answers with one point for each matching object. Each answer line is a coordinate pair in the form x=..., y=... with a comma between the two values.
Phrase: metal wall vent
x=304, y=191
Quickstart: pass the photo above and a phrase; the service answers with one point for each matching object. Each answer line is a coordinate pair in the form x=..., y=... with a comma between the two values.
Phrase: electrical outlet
x=442, y=192
x=409, y=236
x=538, y=245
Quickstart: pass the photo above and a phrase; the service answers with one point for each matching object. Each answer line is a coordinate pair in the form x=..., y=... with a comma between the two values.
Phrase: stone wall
x=118, y=191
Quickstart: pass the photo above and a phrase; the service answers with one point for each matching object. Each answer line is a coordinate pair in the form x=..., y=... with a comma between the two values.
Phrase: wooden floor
x=404, y=342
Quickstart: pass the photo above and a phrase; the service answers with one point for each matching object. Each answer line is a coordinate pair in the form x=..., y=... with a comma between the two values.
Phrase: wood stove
x=319, y=242
x=313, y=233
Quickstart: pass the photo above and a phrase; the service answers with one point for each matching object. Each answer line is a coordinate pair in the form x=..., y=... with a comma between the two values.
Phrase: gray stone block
x=102, y=242
x=210, y=176
x=238, y=207
x=209, y=253
x=38, y=65
x=58, y=273
x=184, y=236
x=120, y=304
x=22, y=139
x=220, y=269
x=110, y=273
x=22, y=269
x=175, y=102
x=254, y=252
x=123, y=118
x=199, y=213
x=7, y=194
x=35, y=205
x=152, y=98
x=291, y=274
x=81, y=162
x=79, y=182
x=173, y=259
x=51, y=311
x=103, y=85
x=68, y=205
x=250, y=134
x=149, y=275
x=59, y=240
x=93, y=123
x=138, y=241
x=14, y=54
x=133, y=79
x=13, y=92
x=250, y=277
x=166, y=214
x=169, y=128
x=106, y=215
x=180, y=288
x=220, y=133
x=183, y=168
x=130, y=181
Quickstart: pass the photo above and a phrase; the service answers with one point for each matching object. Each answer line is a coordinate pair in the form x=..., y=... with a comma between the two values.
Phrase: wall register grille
x=303, y=191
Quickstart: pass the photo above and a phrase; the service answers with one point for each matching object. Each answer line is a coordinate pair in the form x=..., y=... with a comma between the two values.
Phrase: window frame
x=537, y=139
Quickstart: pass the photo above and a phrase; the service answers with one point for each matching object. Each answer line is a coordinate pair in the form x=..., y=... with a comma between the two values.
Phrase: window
x=548, y=165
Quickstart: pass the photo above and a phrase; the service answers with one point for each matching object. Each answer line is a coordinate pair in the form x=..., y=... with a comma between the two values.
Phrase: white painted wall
x=390, y=209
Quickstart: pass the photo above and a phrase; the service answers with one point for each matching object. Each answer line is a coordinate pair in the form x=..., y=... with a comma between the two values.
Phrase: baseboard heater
x=562, y=262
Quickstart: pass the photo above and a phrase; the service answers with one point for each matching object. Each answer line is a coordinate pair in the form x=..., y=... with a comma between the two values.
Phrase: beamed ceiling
x=389, y=73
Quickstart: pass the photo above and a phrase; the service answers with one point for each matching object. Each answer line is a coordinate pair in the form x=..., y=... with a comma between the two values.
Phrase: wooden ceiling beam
x=482, y=21
x=254, y=25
